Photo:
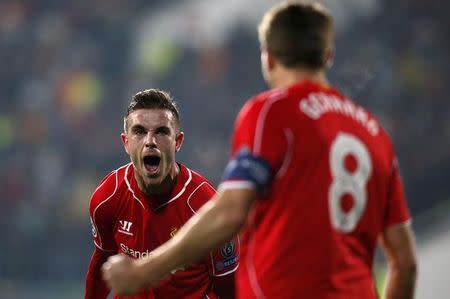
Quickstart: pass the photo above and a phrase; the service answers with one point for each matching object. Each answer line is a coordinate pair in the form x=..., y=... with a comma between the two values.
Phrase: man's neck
x=165, y=187
x=287, y=77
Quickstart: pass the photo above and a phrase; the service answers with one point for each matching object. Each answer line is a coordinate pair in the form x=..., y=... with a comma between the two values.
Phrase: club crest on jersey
x=125, y=227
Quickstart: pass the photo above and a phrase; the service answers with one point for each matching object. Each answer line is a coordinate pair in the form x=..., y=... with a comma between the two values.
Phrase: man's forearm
x=217, y=222
x=400, y=284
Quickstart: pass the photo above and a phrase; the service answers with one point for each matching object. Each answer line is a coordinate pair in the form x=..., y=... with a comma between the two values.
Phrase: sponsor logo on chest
x=133, y=252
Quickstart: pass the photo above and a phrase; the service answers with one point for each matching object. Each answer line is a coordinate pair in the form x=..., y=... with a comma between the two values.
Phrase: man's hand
x=123, y=275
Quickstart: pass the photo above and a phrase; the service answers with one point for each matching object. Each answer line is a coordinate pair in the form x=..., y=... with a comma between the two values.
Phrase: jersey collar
x=157, y=202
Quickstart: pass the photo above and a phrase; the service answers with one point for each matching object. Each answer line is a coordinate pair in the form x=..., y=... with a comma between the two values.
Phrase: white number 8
x=346, y=182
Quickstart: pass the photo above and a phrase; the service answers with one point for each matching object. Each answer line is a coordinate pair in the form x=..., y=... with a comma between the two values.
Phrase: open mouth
x=151, y=163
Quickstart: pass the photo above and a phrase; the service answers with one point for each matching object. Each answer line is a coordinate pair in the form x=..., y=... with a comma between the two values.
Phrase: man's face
x=151, y=140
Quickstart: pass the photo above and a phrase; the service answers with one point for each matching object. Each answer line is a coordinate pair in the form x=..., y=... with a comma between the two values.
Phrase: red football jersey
x=335, y=187
x=127, y=221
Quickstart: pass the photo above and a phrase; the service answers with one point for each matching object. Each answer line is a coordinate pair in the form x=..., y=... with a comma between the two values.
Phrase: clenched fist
x=123, y=275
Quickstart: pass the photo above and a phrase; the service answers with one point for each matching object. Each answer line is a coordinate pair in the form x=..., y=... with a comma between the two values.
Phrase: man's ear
x=179, y=141
x=125, y=142
x=329, y=57
x=270, y=60
x=267, y=60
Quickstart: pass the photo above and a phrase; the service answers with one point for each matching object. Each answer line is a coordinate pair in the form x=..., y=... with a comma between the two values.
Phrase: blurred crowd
x=69, y=68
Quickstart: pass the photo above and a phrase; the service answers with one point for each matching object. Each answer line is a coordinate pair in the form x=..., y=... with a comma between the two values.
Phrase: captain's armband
x=247, y=170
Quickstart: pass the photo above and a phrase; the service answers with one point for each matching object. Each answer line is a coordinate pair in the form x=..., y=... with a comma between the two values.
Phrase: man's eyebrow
x=162, y=128
x=137, y=127
x=157, y=129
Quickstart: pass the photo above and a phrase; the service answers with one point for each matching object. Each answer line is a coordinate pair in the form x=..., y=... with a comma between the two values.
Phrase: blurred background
x=69, y=68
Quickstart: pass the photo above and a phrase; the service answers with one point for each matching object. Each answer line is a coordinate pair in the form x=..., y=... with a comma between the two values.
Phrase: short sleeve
x=101, y=215
x=397, y=211
x=223, y=260
x=202, y=193
x=259, y=130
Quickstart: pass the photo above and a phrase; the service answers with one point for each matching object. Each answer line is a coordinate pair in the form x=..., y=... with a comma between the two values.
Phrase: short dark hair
x=297, y=33
x=152, y=99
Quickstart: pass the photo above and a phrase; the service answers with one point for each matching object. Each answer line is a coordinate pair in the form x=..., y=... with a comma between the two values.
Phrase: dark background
x=69, y=68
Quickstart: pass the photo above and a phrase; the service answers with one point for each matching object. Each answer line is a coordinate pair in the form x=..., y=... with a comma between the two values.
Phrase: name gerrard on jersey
x=318, y=103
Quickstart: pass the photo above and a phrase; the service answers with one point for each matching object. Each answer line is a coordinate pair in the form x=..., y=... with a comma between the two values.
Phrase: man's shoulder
x=199, y=190
x=191, y=176
x=260, y=104
x=256, y=102
x=108, y=186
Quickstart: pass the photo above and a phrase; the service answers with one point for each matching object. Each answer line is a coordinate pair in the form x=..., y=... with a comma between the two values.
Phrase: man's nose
x=150, y=140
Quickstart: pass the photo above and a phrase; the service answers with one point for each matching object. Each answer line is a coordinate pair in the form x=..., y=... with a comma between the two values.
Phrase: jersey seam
x=407, y=222
x=179, y=193
x=192, y=193
x=260, y=122
x=129, y=186
x=290, y=150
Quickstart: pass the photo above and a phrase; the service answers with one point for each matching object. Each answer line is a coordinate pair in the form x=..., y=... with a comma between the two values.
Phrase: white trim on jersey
x=400, y=224
x=189, y=198
x=262, y=119
x=101, y=203
x=229, y=271
x=106, y=250
x=179, y=193
x=129, y=186
x=226, y=273
x=236, y=185
x=290, y=151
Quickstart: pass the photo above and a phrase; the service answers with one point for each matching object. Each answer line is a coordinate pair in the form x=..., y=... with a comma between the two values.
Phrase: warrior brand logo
x=141, y=254
x=125, y=227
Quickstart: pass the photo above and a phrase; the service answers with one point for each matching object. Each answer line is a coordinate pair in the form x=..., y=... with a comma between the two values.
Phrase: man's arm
x=399, y=249
x=216, y=222
x=95, y=286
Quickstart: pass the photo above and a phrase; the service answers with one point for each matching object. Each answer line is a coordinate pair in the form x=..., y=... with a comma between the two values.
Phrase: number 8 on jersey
x=348, y=182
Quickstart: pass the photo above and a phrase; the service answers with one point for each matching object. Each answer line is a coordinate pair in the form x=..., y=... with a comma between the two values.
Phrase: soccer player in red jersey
x=141, y=205
x=313, y=182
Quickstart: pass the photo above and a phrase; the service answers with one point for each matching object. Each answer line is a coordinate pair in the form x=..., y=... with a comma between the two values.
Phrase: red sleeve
x=223, y=260
x=95, y=286
x=259, y=129
x=201, y=194
x=397, y=210
x=101, y=214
